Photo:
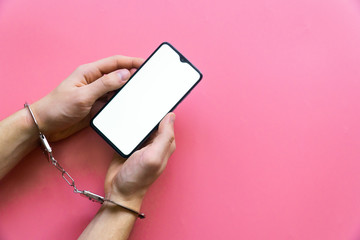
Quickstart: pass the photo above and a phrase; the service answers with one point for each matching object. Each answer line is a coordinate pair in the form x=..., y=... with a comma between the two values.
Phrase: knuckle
x=171, y=139
x=152, y=161
x=82, y=68
x=106, y=81
x=154, y=165
x=82, y=100
x=117, y=59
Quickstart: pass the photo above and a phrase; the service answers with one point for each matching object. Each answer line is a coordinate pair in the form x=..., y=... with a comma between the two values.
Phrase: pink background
x=268, y=144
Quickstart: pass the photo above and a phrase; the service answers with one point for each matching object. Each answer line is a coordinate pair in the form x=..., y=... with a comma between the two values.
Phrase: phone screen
x=155, y=89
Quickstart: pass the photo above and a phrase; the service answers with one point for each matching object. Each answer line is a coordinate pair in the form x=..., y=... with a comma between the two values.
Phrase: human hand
x=127, y=181
x=66, y=109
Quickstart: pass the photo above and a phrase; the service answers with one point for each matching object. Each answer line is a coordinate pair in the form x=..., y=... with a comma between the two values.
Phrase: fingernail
x=123, y=74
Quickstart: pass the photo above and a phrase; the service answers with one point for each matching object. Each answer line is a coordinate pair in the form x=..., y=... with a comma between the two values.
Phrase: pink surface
x=268, y=144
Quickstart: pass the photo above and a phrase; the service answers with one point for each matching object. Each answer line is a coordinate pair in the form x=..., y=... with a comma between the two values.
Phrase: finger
x=95, y=70
x=150, y=139
x=133, y=70
x=164, y=141
x=107, y=83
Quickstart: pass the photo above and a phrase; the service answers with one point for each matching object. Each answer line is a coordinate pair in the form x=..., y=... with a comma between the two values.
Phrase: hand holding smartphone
x=157, y=87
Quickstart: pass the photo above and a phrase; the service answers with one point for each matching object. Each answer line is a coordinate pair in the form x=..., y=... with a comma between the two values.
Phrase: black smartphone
x=155, y=89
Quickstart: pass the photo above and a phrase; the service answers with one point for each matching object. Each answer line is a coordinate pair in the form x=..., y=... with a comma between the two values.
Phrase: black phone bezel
x=182, y=59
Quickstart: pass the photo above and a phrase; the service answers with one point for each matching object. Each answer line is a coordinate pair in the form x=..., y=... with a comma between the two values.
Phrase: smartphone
x=155, y=89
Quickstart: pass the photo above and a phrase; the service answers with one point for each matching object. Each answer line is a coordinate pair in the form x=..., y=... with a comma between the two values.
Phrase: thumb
x=107, y=83
x=164, y=142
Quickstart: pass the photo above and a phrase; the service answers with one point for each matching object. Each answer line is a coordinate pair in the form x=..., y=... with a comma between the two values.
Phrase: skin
x=68, y=109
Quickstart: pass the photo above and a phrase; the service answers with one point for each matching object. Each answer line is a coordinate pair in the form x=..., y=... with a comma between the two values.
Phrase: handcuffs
x=66, y=176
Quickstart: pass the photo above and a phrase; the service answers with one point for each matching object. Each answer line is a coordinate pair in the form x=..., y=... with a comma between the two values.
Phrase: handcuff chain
x=48, y=153
x=67, y=177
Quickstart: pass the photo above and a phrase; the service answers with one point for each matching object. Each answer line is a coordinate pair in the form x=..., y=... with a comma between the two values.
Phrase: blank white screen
x=140, y=105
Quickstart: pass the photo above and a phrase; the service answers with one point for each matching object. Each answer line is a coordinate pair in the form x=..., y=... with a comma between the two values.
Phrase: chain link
x=48, y=153
x=66, y=176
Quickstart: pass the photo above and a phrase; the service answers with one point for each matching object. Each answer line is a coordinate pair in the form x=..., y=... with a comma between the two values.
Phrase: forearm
x=18, y=136
x=111, y=222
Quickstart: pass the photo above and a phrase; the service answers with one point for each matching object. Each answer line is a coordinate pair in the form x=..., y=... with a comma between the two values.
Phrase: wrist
x=133, y=202
x=115, y=221
x=28, y=128
x=39, y=111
